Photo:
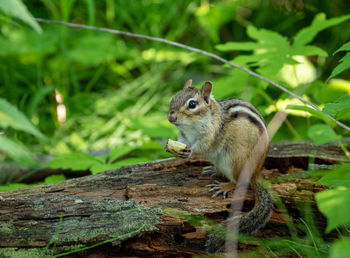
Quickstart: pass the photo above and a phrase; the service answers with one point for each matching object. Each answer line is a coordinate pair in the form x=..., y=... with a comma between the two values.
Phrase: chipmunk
x=233, y=136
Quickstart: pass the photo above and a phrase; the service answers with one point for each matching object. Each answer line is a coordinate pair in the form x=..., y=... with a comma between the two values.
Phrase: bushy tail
x=261, y=212
x=248, y=223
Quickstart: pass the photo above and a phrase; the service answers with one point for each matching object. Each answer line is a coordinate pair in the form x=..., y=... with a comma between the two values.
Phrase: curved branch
x=193, y=49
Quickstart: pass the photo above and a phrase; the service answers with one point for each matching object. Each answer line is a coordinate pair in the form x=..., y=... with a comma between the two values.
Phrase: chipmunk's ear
x=206, y=91
x=188, y=84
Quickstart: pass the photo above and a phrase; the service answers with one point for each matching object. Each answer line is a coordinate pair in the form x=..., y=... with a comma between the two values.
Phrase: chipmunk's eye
x=192, y=104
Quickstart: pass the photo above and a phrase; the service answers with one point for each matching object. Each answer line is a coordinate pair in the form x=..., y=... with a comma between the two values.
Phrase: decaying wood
x=281, y=155
x=137, y=207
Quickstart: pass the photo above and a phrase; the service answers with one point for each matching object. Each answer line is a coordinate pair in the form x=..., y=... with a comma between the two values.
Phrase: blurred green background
x=90, y=91
x=96, y=101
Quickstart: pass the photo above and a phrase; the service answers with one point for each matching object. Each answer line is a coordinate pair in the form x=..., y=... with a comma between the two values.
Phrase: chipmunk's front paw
x=220, y=188
x=185, y=154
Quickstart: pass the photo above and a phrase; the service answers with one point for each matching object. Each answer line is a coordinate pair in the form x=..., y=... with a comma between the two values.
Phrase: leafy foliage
x=17, y=9
x=320, y=134
x=340, y=109
x=12, y=187
x=337, y=177
x=115, y=159
x=272, y=51
x=340, y=249
x=116, y=91
x=17, y=151
x=11, y=117
x=345, y=61
x=334, y=204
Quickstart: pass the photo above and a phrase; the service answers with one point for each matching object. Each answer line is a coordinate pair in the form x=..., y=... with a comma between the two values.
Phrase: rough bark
x=137, y=207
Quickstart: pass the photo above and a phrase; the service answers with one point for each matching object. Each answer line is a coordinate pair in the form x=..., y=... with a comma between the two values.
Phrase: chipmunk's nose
x=172, y=117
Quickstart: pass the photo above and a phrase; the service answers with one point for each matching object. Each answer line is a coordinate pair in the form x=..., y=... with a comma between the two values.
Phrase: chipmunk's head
x=191, y=106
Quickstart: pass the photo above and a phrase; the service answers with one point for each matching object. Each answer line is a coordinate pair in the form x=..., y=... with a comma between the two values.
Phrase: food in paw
x=175, y=147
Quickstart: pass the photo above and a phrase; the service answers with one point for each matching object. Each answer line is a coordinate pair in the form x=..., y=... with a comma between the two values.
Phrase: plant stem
x=193, y=49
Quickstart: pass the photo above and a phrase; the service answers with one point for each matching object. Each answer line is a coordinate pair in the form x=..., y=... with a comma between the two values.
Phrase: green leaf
x=159, y=128
x=267, y=37
x=104, y=167
x=340, y=249
x=151, y=146
x=309, y=51
x=321, y=134
x=344, y=114
x=12, y=187
x=230, y=85
x=131, y=161
x=334, y=204
x=334, y=108
x=120, y=151
x=338, y=176
x=272, y=51
x=306, y=35
x=344, y=47
x=344, y=64
x=17, y=9
x=74, y=161
x=312, y=111
x=17, y=152
x=54, y=179
x=229, y=46
x=94, y=49
x=10, y=116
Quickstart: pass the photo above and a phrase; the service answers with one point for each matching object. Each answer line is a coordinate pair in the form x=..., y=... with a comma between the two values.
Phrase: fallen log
x=282, y=155
x=134, y=210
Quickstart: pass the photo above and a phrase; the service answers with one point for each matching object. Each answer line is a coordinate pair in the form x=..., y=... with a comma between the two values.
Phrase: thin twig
x=193, y=49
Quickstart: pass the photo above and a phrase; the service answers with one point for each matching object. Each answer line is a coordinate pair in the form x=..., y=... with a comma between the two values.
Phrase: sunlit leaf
x=334, y=108
x=12, y=187
x=321, y=133
x=329, y=92
x=309, y=51
x=158, y=128
x=267, y=37
x=120, y=151
x=10, y=116
x=230, y=85
x=96, y=168
x=103, y=167
x=312, y=111
x=272, y=51
x=54, y=179
x=230, y=46
x=340, y=249
x=338, y=176
x=74, y=161
x=17, y=9
x=152, y=145
x=334, y=204
x=17, y=151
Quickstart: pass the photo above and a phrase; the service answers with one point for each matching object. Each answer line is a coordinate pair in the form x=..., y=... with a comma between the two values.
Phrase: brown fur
x=232, y=134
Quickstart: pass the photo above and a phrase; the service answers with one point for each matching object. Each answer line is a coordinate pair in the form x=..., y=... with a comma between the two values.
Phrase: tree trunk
x=149, y=208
